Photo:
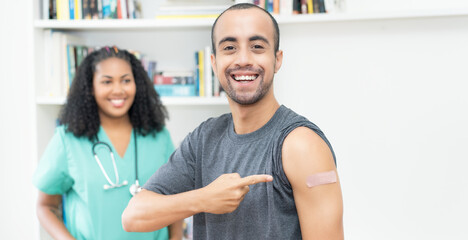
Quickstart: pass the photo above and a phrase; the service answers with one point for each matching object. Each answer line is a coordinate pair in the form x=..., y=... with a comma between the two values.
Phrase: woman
x=111, y=139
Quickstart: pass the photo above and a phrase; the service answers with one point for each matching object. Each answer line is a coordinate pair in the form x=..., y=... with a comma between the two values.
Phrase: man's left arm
x=309, y=165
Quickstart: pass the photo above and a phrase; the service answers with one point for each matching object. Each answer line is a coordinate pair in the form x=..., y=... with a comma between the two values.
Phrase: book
x=93, y=8
x=276, y=6
x=296, y=6
x=52, y=9
x=78, y=9
x=197, y=74
x=316, y=4
x=71, y=63
x=269, y=6
x=71, y=9
x=106, y=9
x=131, y=9
x=46, y=9
x=286, y=7
x=174, y=77
x=208, y=72
x=201, y=73
x=113, y=9
x=175, y=90
x=86, y=13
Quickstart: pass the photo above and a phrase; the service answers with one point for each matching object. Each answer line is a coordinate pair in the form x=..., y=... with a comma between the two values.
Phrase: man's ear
x=213, y=64
x=278, y=60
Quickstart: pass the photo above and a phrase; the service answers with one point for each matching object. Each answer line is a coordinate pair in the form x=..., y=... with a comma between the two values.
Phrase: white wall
x=17, y=218
x=392, y=98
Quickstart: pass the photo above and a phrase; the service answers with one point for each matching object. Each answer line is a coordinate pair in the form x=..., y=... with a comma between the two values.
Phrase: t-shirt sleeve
x=177, y=175
x=52, y=176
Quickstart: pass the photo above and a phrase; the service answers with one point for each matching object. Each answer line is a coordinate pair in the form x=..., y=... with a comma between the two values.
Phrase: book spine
x=201, y=67
x=276, y=6
x=71, y=63
x=106, y=9
x=71, y=9
x=124, y=11
x=93, y=9
x=65, y=9
x=119, y=9
x=52, y=9
x=45, y=9
x=175, y=90
x=197, y=74
x=131, y=9
x=310, y=8
x=208, y=73
x=269, y=6
x=286, y=7
x=85, y=9
x=316, y=4
x=78, y=9
x=113, y=9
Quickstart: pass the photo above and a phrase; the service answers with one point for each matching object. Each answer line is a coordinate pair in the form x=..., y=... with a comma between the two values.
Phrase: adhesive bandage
x=321, y=178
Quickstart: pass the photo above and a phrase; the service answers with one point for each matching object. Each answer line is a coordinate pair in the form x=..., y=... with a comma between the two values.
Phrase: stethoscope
x=134, y=188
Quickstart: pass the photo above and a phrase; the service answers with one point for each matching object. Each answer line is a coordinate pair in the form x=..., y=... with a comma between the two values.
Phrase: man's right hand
x=225, y=193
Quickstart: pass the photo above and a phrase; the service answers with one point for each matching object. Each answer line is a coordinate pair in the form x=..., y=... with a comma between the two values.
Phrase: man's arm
x=320, y=208
x=149, y=211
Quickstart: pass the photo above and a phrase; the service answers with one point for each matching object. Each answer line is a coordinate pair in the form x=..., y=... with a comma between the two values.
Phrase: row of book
x=66, y=52
x=201, y=82
x=289, y=7
x=210, y=9
x=91, y=9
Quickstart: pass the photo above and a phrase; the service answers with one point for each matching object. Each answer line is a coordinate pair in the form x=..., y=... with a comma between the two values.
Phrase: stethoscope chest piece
x=135, y=188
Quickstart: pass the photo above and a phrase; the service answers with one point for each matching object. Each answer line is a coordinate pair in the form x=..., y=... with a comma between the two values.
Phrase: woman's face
x=114, y=88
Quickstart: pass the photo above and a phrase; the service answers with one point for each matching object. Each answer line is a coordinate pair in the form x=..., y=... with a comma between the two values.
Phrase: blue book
x=197, y=75
x=106, y=9
x=72, y=9
x=175, y=90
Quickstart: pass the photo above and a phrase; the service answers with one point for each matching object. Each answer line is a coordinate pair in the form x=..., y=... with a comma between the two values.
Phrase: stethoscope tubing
x=117, y=182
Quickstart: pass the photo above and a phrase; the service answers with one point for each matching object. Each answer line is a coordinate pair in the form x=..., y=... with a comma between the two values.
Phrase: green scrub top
x=68, y=167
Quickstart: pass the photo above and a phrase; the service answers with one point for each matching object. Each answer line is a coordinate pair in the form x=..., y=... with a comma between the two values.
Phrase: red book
x=119, y=10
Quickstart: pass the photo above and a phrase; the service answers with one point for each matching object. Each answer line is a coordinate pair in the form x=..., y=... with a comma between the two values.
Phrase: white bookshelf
x=142, y=24
x=168, y=101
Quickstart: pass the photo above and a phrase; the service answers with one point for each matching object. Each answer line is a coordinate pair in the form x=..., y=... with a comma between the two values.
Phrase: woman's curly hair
x=80, y=113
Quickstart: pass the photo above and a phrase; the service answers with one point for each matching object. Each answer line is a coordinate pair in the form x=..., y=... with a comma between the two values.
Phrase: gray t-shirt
x=268, y=211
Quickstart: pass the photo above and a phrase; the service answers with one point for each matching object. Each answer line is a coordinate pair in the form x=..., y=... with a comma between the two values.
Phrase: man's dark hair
x=241, y=6
x=80, y=113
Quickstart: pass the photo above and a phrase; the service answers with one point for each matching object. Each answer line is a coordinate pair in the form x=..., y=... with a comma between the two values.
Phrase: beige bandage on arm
x=321, y=178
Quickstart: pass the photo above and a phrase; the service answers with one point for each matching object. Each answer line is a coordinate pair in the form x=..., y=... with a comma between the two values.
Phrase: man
x=261, y=172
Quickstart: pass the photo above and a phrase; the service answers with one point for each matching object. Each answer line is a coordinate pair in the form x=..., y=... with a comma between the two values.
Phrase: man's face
x=245, y=61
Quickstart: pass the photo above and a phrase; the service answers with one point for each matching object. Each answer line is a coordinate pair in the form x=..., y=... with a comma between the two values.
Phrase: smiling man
x=261, y=172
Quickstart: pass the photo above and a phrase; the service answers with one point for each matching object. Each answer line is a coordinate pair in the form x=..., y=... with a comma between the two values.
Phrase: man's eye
x=228, y=48
x=258, y=46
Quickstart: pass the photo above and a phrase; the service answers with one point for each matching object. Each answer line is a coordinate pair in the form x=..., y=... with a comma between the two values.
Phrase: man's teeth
x=117, y=101
x=244, y=78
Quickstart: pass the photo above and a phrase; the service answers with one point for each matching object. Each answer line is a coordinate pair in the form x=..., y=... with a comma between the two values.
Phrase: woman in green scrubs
x=111, y=101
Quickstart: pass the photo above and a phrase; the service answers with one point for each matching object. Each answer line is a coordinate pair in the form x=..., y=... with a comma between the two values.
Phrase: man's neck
x=249, y=118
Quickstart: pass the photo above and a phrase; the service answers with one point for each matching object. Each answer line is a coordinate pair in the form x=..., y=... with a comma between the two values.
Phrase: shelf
x=167, y=101
x=115, y=24
x=344, y=17
x=138, y=24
